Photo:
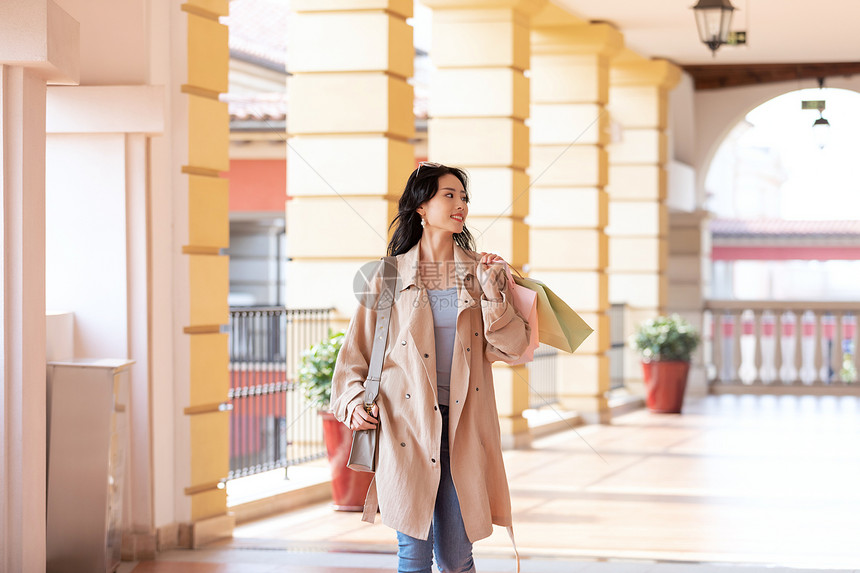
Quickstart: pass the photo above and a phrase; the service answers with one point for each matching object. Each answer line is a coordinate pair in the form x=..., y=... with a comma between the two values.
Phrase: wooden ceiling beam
x=731, y=76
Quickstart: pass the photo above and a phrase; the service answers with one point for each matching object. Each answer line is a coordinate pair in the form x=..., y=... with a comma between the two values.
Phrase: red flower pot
x=348, y=487
x=665, y=383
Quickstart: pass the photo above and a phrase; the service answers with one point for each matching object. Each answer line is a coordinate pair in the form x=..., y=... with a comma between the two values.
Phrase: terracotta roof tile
x=270, y=106
x=258, y=29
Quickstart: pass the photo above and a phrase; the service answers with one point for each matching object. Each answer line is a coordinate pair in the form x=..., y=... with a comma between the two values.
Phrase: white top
x=444, y=306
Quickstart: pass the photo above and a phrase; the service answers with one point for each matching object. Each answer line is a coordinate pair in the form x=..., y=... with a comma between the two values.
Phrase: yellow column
x=638, y=216
x=478, y=108
x=207, y=268
x=569, y=246
x=349, y=154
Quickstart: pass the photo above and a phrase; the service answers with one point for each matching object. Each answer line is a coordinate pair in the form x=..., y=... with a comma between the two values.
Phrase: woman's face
x=448, y=208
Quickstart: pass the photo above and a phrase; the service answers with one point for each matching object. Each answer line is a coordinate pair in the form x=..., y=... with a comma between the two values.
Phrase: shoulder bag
x=365, y=443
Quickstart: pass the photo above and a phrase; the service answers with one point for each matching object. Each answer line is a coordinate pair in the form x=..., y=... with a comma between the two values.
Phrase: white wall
x=85, y=217
x=682, y=121
x=681, y=193
x=681, y=177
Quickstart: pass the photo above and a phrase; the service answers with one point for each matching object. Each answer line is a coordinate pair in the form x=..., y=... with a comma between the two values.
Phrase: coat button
x=435, y=407
x=403, y=444
x=403, y=342
x=468, y=349
x=426, y=356
x=408, y=396
x=476, y=389
x=433, y=460
x=456, y=401
x=476, y=334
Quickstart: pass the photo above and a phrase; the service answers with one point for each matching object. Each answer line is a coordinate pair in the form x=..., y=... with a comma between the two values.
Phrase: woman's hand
x=361, y=420
x=491, y=275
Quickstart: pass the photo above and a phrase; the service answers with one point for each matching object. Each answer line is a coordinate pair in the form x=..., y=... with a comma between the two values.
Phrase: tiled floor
x=749, y=483
x=215, y=560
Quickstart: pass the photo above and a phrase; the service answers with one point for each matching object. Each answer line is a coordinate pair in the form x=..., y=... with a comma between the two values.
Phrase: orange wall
x=258, y=184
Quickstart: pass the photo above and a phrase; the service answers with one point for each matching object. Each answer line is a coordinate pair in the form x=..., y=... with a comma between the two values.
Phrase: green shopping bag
x=559, y=325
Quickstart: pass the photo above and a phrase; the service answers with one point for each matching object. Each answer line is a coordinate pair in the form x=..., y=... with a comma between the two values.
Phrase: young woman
x=440, y=480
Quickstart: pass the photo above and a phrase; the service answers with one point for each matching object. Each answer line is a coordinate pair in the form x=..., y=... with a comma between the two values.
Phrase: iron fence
x=543, y=386
x=616, y=346
x=270, y=424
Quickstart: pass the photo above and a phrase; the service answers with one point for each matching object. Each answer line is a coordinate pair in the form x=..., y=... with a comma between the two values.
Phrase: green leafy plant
x=317, y=368
x=666, y=338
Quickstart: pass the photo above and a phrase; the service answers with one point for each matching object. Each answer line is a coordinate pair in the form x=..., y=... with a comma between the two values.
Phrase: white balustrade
x=768, y=348
x=748, y=371
x=816, y=349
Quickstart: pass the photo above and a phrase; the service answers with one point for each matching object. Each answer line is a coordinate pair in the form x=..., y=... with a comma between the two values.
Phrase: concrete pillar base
x=592, y=409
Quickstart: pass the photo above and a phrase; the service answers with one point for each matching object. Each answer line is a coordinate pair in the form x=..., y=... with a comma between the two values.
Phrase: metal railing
x=543, y=387
x=781, y=347
x=616, y=346
x=543, y=376
x=270, y=424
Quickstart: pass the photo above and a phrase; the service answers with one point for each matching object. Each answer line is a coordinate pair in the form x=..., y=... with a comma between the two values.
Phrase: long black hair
x=420, y=187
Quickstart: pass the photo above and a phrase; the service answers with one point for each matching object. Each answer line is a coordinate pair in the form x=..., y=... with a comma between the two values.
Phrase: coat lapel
x=414, y=297
x=466, y=343
x=423, y=336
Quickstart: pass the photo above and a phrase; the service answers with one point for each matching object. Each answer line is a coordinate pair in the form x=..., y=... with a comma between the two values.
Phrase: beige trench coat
x=408, y=468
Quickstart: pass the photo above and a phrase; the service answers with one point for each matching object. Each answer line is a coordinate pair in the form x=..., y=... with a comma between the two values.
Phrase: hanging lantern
x=714, y=20
x=821, y=127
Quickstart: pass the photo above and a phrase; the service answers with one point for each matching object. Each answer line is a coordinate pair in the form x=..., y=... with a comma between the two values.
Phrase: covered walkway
x=736, y=480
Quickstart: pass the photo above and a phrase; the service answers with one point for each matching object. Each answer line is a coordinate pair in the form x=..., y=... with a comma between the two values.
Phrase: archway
x=775, y=196
x=785, y=247
x=718, y=111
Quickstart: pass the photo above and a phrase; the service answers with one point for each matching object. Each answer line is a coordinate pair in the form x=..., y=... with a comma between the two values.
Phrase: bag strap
x=371, y=503
x=380, y=331
x=510, y=529
x=509, y=268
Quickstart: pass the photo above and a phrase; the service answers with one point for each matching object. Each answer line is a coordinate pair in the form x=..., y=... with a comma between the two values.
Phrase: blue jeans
x=447, y=533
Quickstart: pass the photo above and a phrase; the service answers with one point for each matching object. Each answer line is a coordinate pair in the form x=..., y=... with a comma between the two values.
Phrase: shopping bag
x=559, y=325
x=525, y=301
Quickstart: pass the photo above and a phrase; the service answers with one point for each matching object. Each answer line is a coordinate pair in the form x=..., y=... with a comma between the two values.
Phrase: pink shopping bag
x=525, y=301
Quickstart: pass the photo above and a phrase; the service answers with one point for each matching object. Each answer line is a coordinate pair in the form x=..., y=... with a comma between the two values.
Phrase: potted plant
x=348, y=487
x=665, y=344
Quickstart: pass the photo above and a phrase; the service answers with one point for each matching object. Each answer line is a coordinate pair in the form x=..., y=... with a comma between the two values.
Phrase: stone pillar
x=569, y=203
x=349, y=153
x=638, y=215
x=189, y=358
x=40, y=46
x=689, y=271
x=478, y=108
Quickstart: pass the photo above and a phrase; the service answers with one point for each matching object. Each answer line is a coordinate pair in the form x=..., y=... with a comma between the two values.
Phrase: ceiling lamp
x=821, y=127
x=714, y=19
